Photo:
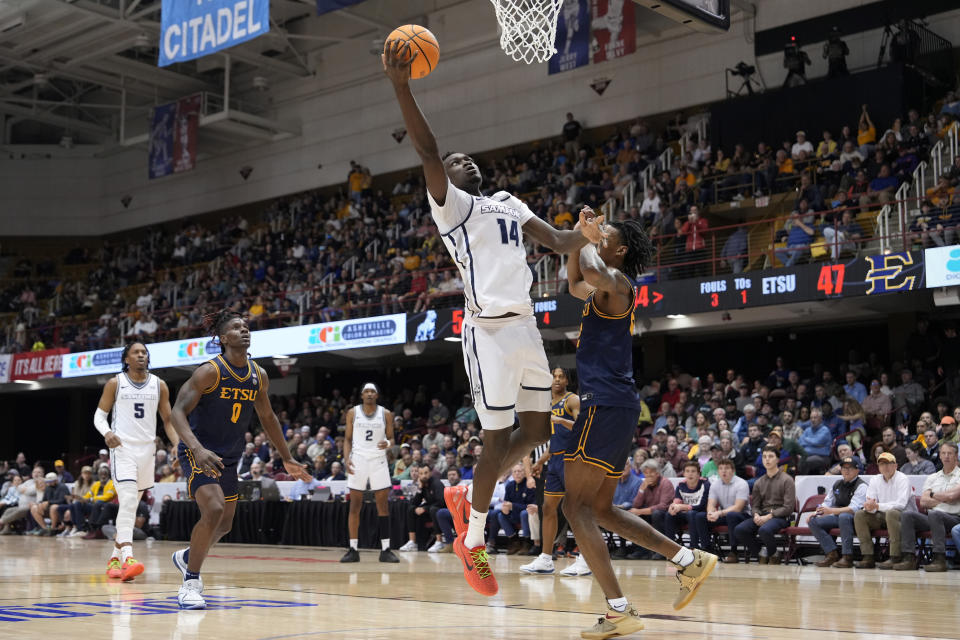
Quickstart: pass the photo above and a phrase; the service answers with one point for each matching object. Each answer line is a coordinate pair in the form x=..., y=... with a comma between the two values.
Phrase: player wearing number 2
x=220, y=397
x=134, y=396
x=502, y=349
x=369, y=434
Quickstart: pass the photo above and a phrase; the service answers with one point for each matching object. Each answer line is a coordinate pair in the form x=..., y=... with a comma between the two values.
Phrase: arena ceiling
x=72, y=70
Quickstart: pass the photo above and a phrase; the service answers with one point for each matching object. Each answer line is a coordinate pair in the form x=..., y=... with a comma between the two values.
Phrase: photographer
x=795, y=61
x=835, y=52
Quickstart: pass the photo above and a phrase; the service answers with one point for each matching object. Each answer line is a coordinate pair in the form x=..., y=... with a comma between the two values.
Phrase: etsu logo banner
x=191, y=29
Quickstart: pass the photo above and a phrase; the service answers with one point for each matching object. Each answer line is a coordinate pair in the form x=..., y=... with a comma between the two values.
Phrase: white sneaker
x=578, y=568
x=410, y=546
x=189, y=595
x=65, y=533
x=78, y=533
x=436, y=547
x=540, y=564
x=180, y=563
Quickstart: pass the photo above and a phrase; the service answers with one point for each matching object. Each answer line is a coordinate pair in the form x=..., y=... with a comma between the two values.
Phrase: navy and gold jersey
x=222, y=416
x=560, y=437
x=605, y=357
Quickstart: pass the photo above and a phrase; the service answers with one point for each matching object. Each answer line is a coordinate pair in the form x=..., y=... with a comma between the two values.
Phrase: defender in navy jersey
x=563, y=413
x=602, y=274
x=220, y=399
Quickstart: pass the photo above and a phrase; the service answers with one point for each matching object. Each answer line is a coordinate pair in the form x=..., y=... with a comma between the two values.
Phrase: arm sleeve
x=789, y=498
x=859, y=497
x=828, y=500
x=743, y=492
x=455, y=209
x=638, y=500
x=109, y=492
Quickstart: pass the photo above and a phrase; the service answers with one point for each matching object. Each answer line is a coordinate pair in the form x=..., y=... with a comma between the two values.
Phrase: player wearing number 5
x=502, y=349
x=220, y=397
x=369, y=434
x=134, y=396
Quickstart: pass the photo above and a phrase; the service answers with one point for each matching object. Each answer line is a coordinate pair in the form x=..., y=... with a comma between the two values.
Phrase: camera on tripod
x=743, y=69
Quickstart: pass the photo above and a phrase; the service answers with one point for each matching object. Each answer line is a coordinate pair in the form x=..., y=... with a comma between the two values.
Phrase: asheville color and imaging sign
x=191, y=29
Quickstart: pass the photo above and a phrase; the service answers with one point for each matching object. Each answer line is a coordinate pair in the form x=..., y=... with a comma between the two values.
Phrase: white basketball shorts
x=507, y=369
x=134, y=463
x=376, y=471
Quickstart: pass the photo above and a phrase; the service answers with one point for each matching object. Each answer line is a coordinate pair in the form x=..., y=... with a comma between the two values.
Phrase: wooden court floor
x=53, y=588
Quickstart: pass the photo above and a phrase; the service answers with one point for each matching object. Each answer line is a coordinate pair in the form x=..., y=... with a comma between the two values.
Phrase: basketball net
x=528, y=28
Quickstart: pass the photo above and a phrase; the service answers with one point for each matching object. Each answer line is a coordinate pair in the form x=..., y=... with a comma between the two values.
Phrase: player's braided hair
x=639, y=249
x=124, y=367
x=213, y=322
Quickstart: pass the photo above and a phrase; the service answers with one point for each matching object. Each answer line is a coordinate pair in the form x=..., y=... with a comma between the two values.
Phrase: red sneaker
x=114, y=569
x=131, y=569
x=459, y=506
x=476, y=567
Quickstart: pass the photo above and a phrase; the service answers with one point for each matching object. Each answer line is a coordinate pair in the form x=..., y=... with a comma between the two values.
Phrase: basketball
x=423, y=43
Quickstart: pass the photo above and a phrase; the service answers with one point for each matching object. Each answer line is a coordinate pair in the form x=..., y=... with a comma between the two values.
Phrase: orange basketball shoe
x=459, y=506
x=131, y=569
x=476, y=567
x=114, y=570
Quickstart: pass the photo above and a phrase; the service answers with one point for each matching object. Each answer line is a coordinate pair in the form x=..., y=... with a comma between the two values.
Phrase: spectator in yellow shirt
x=867, y=135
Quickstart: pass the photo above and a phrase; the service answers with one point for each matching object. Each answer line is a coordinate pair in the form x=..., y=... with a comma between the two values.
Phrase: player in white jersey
x=135, y=396
x=502, y=349
x=369, y=435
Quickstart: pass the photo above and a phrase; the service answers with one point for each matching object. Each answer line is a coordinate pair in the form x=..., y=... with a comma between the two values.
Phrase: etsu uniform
x=369, y=461
x=219, y=422
x=609, y=406
x=134, y=421
x=503, y=356
x=559, y=442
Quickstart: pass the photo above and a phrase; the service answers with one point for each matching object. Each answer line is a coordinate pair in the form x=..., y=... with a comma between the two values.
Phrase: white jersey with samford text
x=484, y=235
x=368, y=432
x=135, y=410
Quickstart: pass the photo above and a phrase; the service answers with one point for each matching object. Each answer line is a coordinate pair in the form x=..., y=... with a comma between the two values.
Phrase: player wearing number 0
x=502, y=349
x=134, y=396
x=369, y=434
x=220, y=397
x=603, y=276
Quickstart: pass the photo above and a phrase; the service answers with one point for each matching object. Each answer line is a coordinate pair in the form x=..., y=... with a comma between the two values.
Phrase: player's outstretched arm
x=576, y=285
x=103, y=411
x=165, y=410
x=557, y=239
x=615, y=292
x=397, y=59
x=348, y=440
x=204, y=377
x=272, y=426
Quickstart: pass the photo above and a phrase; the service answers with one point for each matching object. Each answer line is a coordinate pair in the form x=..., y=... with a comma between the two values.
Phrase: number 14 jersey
x=484, y=235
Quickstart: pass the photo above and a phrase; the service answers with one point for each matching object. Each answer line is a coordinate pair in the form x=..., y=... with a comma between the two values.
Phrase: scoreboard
x=867, y=276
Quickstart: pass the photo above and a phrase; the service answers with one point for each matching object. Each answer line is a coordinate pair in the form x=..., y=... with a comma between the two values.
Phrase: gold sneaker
x=692, y=576
x=614, y=624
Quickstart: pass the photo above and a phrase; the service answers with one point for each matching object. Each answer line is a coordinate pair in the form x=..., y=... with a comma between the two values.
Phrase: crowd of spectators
x=736, y=441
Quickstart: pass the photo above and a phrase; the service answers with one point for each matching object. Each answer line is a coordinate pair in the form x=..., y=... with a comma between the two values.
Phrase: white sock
x=384, y=543
x=617, y=604
x=353, y=543
x=126, y=551
x=116, y=553
x=683, y=558
x=475, y=537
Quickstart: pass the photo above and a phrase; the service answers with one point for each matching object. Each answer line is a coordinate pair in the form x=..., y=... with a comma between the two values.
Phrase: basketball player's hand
x=383, y=444
x=537, y=468
x=397, y=58
x=297, y=470
x=350, y=470
x=592, y=229
x=112, y=440
x=531, y=482
x=209, y=462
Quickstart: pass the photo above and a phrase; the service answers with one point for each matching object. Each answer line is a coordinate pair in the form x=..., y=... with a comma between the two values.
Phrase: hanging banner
x=36, y=365
x=614, y=32
x=192, y=29
x=185, y=133
x=573, y=37
x=5, y=360
x=160, y=153
x=326, y=6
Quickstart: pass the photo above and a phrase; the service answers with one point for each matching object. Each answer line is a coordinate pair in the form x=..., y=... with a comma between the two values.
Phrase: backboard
x=702, y=15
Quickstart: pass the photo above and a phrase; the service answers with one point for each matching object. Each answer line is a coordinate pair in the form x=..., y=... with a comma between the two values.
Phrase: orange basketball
x=423, y=43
